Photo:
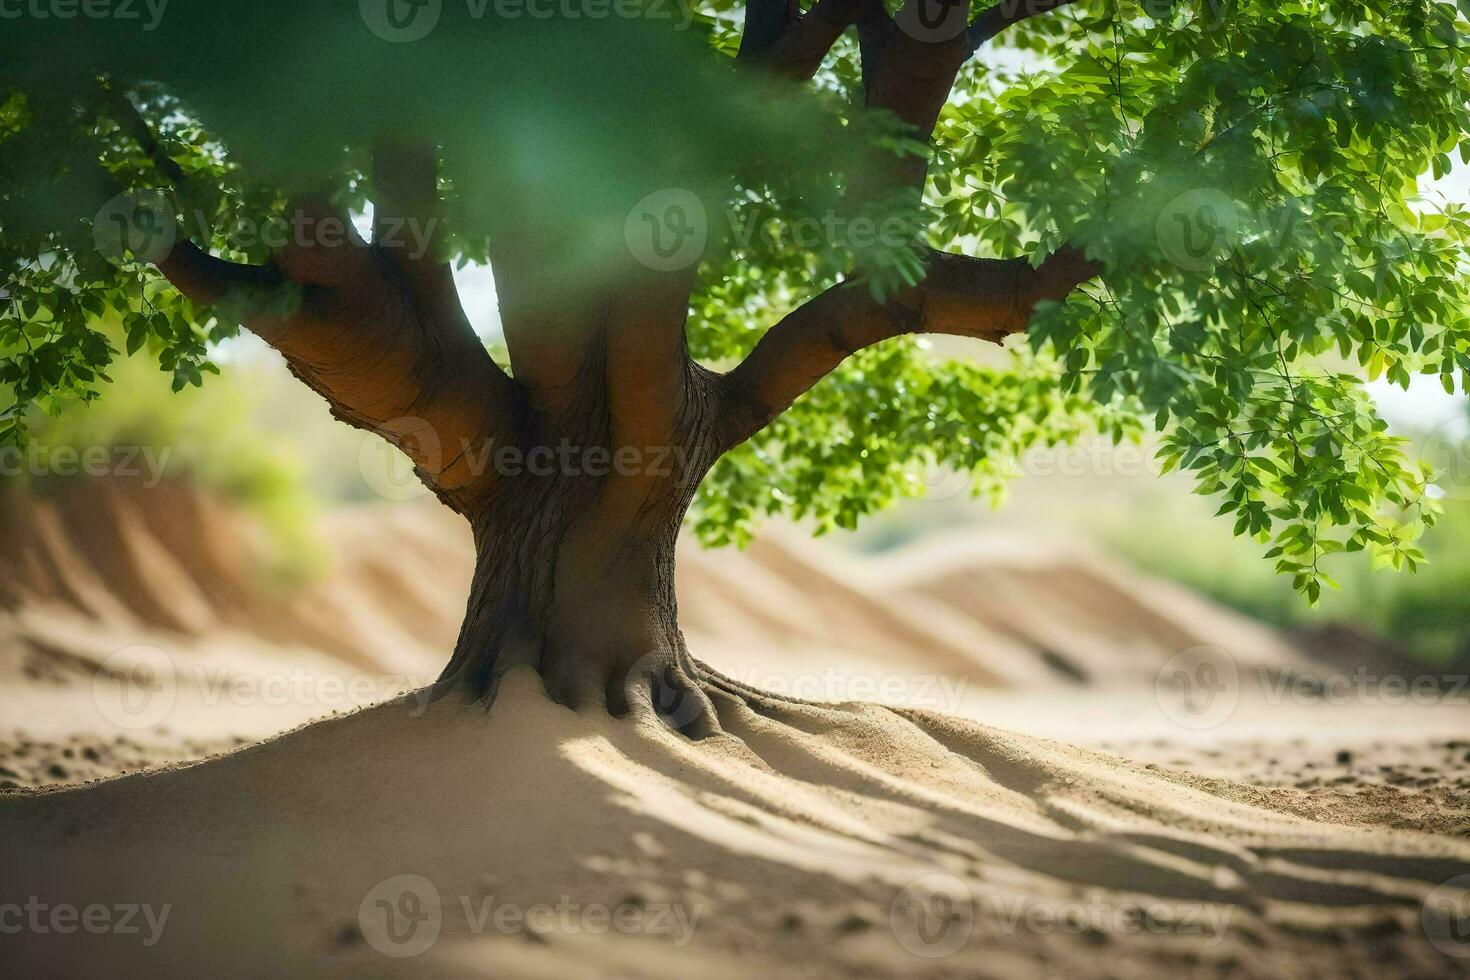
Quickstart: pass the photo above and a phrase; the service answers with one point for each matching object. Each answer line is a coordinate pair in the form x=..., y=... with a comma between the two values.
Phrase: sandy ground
x=1406, y=767
x=816, y=841
x=1046, y=795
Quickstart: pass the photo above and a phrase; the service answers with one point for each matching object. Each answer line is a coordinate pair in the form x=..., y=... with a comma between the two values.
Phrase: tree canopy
x=1236, y=186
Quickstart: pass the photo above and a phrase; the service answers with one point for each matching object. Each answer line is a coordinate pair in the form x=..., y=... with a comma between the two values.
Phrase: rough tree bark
x=575, y=469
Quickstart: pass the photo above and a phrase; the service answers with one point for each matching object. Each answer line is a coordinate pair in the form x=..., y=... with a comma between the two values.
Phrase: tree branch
x=911, y=77
x=378, y=332
x=997, y=18
x=349, y=331
x=909, y=66
x=914, y=71
x=408, y=229
x=962, y=296
x=209, y=280
x=407, y=223
x=552, y=323
x=873, y=27
x=132, y=122
x=798, y=52
x=765, y=22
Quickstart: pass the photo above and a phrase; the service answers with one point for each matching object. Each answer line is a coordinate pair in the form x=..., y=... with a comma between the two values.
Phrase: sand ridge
x=107, y=564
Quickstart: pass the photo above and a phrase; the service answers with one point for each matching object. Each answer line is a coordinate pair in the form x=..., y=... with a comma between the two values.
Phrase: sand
x=961, y=831
x=834, y=841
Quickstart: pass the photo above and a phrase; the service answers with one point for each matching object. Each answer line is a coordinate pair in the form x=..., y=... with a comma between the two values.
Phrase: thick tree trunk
x=575, y=561
x=574, y=576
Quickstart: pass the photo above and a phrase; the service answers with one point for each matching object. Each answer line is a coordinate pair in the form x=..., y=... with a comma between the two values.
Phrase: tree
x=1198, y=214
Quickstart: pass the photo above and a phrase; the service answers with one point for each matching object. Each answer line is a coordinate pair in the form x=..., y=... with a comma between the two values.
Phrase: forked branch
x=765, y=23
x=798, y=52
x=377, y=330
x=347, y=327
x=909, y=72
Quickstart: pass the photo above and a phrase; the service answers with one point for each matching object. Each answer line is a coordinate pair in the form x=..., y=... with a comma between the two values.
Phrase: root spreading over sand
x=527, y=840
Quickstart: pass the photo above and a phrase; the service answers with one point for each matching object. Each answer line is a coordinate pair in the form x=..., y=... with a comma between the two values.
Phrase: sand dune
x=168, y=560
x=837, y=841
x=149, y=561
x=1068, y=613
x=108, y=564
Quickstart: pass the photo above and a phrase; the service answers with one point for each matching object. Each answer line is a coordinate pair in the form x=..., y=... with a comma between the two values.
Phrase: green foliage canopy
x=1248, y=173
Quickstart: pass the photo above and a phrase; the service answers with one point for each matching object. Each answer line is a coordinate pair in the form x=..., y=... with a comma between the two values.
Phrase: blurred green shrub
x=1426, y=614
x=212, y=436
